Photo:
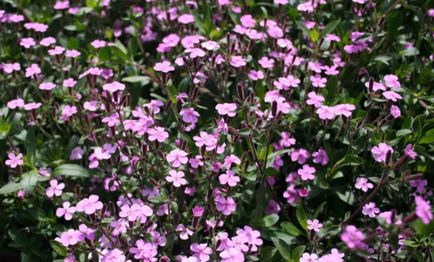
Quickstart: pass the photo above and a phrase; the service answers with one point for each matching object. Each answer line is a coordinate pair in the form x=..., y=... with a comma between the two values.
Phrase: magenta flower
x=67, y=112
x=14, y=160
x=65, y=211
x=267, y=63
x=114, y=255
x=423, y=210
x=370, y=209
x=228, y=109
x=198, y=211
x=380, y=152
x=225, y=205
x=249, y=236
x=353, y=237
x=113, y=87
x=144, y=251
x=176, y=178
x=205, y=139
x=54, y=189
x=363, y=184
x=164, y=66
x=229, y=178
x=306, y=172
x=314, y=225
x=320, y=157
x=89, y=205
x=104, y=152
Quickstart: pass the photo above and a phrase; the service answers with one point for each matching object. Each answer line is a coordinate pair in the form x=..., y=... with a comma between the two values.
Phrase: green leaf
x=270, y=220
x=283, y=248
x=59, y=248
x=403, y=132
x=71, y=170
x=301, y=217
x=10, y=188
x=29, y=180
x=329, y=28
x=297, y=252
x=143, y=80
x=314, y=35
x=428, y=138
x=291, y=229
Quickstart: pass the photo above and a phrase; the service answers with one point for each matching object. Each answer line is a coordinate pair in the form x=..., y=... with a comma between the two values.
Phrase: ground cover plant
x=216, y=130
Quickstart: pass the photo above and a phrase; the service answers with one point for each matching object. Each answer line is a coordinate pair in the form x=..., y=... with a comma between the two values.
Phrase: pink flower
x=33, y=70
x=409, y=151
x=318, y=81
x=32, y=106
x=65, y=211
x=232, y=254
x=27, y=42
x=72, y=53
x=267, y=63
x=370, y=209
x=54, y=189
x=185, y=232
x=38, y=27
x=306, y=173
x=309, y=257
x=57, y=50
x=76, y=153
x=144, y=251
x=176, y=178
x=67, y=112
x=285, y=83
x=9, y=68
x=89, y=205
x=70, y=237
x=114, y=255
x=47, y=86
x=344, y=109
x=136, y=211
x=157, y=133
x=186, y=19
x=164, y=67
x=281, y=2
x=198, y=211
x=201, y=251
x=177, y=157
x=228, y=109
x=363, y=184
x=320, y=157
x=392, y=81
x=237, y=61
x=247, y=21
x=353, y=237
x=249, y=236
x=314, y=99
x=113, y=87
x=112, y=120
x=70, y=82
x=189, y=115
x=98, y=43
x=61, y=5
x=395, y=111
x=225, y=205
x=392, y=96
x=14, y=160
x=16, y=103
x=314, y=225
x=205, y=139
x=380, y=152
x=326, y=112
x=423, y=210
x=229, y=178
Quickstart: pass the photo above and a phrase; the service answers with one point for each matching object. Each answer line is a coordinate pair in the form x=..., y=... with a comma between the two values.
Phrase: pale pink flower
x=370, y=209
x=306, y=172
x=14, y=160
x=113, y=87
x=423, y=210
x=392, y=96
x=176, y=178
x=314, y=225
x=363, y=184
x=65, y=211
x=157, y=133
x=89, y=205
x=98, y=43
x=229, y=178
x=392, y=81
x=47, y=86
x=164, y=66
x=55, y=189
x=238, y=61
x=228, y=109
x=177, y=157
x=33, y=70
x=185, y=232
x=224, y=205
x=318, y=81
x=314, y=99
x=186, y=19
x=380, y=152
x=395, y=111
x=27, y=42
x=15, y=103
